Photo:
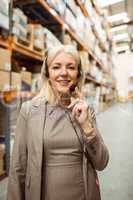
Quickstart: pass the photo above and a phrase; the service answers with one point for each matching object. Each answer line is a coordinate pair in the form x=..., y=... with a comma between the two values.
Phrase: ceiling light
x=122, y=48
x=121, y=16
x=121, y=37
x=104, y=3
x=118, y=28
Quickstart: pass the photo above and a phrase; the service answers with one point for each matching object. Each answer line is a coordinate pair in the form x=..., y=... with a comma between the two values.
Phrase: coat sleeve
x=96, y=150
x=17, y=174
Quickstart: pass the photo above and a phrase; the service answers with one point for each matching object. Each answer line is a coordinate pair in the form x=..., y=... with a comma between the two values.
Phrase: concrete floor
x=116, y=127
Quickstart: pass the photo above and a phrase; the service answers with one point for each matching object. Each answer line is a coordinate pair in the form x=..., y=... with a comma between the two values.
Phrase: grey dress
x=63, y=154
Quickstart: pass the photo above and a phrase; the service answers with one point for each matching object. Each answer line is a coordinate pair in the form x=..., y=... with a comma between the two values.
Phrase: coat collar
x=36, y=101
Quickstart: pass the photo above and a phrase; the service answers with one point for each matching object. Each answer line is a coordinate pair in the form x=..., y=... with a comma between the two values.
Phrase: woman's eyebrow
x=56, y=63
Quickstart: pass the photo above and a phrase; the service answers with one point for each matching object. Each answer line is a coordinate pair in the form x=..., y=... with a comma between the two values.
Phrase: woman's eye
x=56, y=67
x=71, y=67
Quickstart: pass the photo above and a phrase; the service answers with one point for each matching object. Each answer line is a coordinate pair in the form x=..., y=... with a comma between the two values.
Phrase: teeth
x=64, y=82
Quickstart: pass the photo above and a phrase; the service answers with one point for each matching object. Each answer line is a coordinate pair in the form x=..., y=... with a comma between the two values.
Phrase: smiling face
x=63, y=73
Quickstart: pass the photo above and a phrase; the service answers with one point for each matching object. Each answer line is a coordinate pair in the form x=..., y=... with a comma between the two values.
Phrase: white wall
x=123, y=70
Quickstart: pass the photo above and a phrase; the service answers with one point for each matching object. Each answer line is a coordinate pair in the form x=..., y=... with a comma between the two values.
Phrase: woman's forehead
x=63, y=57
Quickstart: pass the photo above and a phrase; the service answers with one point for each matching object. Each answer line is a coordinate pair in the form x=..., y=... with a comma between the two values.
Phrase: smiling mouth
x=64, y=82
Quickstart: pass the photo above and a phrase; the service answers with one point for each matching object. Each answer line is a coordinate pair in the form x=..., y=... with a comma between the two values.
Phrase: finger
x=77, y=109
x=73, y=102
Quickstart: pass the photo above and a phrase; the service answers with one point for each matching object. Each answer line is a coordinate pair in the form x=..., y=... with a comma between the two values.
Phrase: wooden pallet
x=28, y=43
x=24, y=44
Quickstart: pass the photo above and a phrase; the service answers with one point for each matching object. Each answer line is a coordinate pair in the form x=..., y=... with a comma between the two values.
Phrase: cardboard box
x=67, y=39
x=2, y=153
x=4, y=21
x=20, y=17
x=5, y=59
x=19, y=30
x=26, y=77
x=4, y=7
x=4, y=80
x=39, y=37
x=85, y=61
x=71, y=19
x=15, y=80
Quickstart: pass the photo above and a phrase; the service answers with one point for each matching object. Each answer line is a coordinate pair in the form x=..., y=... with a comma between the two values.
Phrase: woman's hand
x=80, y=112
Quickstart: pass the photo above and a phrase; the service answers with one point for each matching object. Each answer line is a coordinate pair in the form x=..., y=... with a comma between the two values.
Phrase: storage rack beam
x=93, y=80
x=28, y=53
x=83, y=9
x=4, y=43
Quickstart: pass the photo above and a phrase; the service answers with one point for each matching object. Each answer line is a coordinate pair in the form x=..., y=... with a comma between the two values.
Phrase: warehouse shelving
x=46, y=7
x=85, y=12
x=3, y=43
x=29, y=53
x=20, y=49
x=97, y=8
x=50, y=17
x=93, y=80
x=64, y=26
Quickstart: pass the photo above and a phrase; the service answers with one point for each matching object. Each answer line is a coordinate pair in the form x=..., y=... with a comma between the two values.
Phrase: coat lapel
x=39, y=109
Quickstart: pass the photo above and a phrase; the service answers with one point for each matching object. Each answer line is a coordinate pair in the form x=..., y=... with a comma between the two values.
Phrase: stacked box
x=2, y=154
x=4, y=80
x=5, y=59
x=15, y=80
x=51, y=40
x=67, y=39
x=72, y=5
x=89, y=36
x=89, y=7
x=26, y=78
x=36, y=82
x=81, y=25
x=39, y=37
x=12, y=115
x=20, y=22
x=58, y=5
x=98, y=50
x=2, y=112
x=85, y=61
x=4, y=14
x=96, y=73
x=70, y=19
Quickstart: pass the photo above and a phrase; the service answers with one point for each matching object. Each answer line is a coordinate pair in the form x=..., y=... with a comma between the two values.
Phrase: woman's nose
x=64, y=71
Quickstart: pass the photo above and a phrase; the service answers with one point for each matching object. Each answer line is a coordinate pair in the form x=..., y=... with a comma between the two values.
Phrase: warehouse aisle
x=116, y=126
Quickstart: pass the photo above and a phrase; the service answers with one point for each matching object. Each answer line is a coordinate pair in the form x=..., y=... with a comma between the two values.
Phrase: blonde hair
x=46, y=91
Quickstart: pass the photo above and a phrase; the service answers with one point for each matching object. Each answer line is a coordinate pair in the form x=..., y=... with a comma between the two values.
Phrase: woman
x=57, y=146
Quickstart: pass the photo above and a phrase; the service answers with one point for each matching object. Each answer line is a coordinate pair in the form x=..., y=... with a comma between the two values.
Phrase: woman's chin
x=64, y=90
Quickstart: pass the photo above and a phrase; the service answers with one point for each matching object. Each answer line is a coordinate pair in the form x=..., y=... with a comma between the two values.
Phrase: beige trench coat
x=25, y=171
